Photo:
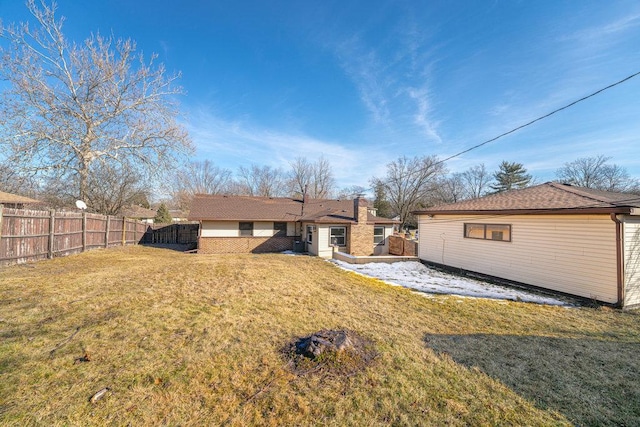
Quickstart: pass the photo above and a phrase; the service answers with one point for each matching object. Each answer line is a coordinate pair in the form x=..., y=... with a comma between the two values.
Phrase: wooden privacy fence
x=30, y=235
x=403, y=247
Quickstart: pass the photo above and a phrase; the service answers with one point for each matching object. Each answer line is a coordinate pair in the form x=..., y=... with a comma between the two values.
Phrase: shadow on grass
x=172, y=246
x=591, y=382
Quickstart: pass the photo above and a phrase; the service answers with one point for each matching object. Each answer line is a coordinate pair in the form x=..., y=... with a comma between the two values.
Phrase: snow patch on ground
x=417, y=276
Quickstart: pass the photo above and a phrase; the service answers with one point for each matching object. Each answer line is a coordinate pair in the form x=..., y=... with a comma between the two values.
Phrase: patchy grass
x=197, y=340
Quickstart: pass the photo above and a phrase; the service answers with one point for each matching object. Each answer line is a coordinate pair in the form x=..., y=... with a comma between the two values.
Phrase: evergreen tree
x=162, y=215
x=382, y=205
x=510, y=176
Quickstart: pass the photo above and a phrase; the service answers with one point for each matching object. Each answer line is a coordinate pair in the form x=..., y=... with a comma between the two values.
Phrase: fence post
x=135, y=232
x=52, y=218
x=124, y=231
x=106, y=232
x=84, y=231
x=1, y=209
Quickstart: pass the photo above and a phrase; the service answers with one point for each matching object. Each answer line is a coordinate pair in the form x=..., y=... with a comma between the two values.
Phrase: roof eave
x=551, y=211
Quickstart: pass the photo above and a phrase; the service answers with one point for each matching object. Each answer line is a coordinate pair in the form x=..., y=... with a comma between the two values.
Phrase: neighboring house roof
x=246, y=208
x=138, y=212
x=9, y=198
x=550, y=197
x=177, y=213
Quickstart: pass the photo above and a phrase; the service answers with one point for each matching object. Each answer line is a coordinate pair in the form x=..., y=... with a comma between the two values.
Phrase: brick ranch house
x=569, y=239
x=243, y=224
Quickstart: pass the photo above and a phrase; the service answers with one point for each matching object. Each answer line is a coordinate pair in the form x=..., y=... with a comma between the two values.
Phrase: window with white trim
x=378, y=235
x=499, y=232
x=246, y=229
x=338, y=236
x=280, y=229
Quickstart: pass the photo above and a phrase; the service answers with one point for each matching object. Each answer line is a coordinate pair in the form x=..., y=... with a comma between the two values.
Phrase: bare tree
x=595, y=172
x=409, y=182
x=199, y=177
x=476, y=180
x=113, y=187
x=314, y=178
x=69, y=105
x=13, y=181
x=262, y=181
x=450, y=189
x=110, y=188
x=351, y=192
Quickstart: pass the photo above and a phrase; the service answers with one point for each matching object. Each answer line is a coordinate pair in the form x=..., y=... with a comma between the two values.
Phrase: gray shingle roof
x=544, y=198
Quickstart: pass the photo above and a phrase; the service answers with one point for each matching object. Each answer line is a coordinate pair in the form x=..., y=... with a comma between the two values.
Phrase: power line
x=584, y=98
x=542, y=117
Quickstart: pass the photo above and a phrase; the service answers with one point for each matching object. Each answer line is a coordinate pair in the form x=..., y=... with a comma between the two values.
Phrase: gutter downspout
x=619, y=261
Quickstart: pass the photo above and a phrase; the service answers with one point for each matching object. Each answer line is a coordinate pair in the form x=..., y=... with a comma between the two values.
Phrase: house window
x=500, y=232
x=378, y=235
x=309, y=233
x=280, y=229
x=246, y=229
x=338, y=236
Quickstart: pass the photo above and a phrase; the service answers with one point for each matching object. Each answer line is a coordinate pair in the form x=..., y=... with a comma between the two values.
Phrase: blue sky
x=364, y=82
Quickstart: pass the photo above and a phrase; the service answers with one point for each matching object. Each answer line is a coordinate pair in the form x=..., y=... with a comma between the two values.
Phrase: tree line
x=98, y=121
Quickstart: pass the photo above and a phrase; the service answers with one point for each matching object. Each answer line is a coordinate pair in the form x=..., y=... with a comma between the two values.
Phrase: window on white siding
x=309, y=233
x=378, y=235
x=338, y=236
x=246, y=229
x=500, y=232
x=279, y=229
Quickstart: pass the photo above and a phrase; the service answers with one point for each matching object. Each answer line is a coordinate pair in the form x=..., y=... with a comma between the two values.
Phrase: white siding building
x=573, y=240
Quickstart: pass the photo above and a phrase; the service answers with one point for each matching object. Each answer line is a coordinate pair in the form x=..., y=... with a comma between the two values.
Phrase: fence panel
x=30, y=235
x=115, y=231
x=95, y=231
x=402, y=247
x=67, y=233
x=24, y=235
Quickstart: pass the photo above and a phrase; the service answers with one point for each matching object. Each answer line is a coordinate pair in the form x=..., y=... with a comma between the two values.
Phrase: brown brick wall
x=361, y=240
x=243, y=245
x=361, y=233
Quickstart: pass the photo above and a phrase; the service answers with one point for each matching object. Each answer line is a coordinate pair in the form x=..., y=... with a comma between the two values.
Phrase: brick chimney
x=361, y=233
x=360, y=210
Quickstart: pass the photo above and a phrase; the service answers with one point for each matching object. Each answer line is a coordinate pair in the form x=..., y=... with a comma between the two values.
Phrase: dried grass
x=196, y=340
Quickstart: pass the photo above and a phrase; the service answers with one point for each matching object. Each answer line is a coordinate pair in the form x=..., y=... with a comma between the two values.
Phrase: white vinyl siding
x=575, y=254
x=322, y=242
x=263, y=229
x=232, y=229
x=220, y=229
x=631, y=239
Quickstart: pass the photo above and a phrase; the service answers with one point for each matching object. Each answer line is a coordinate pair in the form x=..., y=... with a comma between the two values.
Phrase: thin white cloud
x=392, y=79
x=598, y=33
x=422, y=117
x=364, y=68
x=231, y=144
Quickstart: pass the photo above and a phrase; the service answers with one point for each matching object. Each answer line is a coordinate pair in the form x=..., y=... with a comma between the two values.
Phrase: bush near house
x=150, y=336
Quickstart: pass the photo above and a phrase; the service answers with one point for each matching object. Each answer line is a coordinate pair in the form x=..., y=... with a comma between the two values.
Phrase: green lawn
x=197, y=340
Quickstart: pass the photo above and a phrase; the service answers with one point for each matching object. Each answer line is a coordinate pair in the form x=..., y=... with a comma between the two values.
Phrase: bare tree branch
x=71, y=105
